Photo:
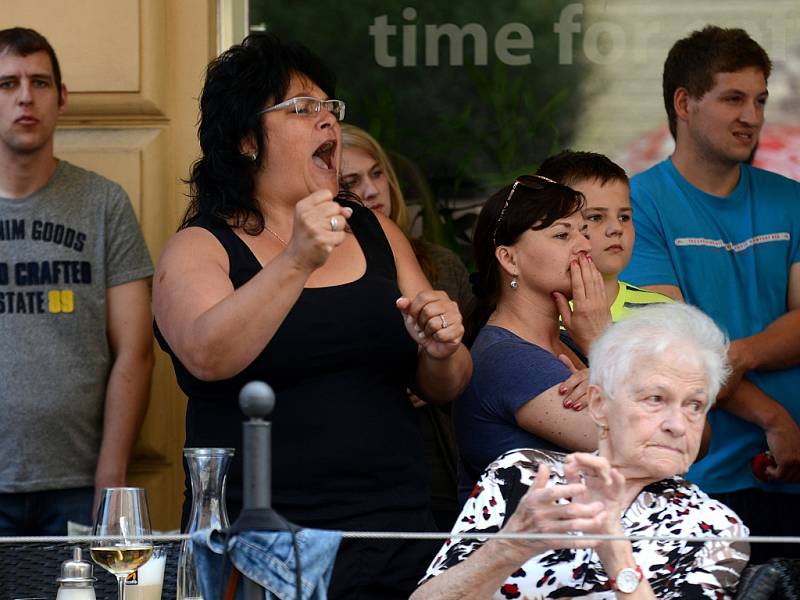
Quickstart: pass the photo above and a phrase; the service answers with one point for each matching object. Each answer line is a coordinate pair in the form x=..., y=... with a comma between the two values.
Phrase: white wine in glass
x=123, y=516
x=121, y=560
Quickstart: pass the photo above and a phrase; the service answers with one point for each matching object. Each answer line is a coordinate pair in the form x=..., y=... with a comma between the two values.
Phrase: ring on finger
x=334, y=223
x=445, y=324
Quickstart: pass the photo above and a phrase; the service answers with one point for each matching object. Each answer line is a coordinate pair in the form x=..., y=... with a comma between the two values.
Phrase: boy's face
x=610, y=226
x=724, y=124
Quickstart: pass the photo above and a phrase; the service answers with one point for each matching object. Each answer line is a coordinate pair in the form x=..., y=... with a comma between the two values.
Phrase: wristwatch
x=627, y=580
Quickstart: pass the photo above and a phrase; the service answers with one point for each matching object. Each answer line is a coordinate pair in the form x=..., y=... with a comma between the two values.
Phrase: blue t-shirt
x=507, y=372
x=730, y=257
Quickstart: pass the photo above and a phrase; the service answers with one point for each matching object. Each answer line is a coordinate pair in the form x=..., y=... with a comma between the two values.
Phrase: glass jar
x=207, y=470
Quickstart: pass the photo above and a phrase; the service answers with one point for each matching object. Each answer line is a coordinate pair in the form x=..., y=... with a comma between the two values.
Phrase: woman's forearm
x=477, y=578
x=226, y=337
x=441, y=380
x=545, y=416
x=254, y=312
x=617, y=555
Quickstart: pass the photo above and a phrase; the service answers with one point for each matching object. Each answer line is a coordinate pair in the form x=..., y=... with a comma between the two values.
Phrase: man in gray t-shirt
x=75, y=346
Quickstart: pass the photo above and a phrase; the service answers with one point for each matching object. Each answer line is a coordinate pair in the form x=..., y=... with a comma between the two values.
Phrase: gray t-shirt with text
x=60, y=249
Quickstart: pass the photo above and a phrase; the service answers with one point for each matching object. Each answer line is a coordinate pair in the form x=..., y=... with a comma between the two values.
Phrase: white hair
x=652, y=330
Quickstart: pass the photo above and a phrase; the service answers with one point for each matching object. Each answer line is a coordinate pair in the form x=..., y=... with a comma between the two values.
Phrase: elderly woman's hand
x=603, y=484
x=588, y=316
x=554, y=509
x=434, y=321
x=319, y=226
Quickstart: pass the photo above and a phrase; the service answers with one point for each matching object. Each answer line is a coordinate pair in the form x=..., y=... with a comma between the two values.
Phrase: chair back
x=777, y=579
x=31, y=570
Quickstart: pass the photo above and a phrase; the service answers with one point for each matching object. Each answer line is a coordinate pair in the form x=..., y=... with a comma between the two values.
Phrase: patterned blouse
x=674, y=569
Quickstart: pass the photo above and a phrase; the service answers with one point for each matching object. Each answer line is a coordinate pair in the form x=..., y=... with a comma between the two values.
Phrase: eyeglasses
x=307, y=106
x=533, y=182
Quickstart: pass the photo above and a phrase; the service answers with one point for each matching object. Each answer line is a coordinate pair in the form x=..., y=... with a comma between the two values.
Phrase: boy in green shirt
x=605, y=186
x=609, y=221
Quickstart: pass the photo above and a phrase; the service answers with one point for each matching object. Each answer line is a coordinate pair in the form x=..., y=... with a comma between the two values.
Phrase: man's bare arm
x=128, y=389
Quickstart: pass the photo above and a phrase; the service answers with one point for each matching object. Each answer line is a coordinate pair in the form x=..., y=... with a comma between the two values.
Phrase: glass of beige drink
x=145, y=583
x=123, y=528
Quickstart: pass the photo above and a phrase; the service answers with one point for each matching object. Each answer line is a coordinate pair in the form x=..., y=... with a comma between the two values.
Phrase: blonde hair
x=355, y=137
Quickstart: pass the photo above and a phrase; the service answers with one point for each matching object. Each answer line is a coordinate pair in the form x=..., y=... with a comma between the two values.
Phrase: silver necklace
x=279, y=238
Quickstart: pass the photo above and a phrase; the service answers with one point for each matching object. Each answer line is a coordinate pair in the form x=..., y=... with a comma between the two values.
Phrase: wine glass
x=122, y=514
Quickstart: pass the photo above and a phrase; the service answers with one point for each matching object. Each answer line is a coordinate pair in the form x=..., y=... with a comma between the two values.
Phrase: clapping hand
x=434, y=321
x=603, y=485
x=553, y=509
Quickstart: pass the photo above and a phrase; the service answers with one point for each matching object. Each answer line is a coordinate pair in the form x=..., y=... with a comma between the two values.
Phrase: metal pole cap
x=257, y=400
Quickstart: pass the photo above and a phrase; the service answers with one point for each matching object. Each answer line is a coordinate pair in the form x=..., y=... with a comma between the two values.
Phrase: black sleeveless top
x=345, y=437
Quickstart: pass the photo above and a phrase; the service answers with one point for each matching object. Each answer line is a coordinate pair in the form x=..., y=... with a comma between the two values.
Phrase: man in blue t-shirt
x=722, y=235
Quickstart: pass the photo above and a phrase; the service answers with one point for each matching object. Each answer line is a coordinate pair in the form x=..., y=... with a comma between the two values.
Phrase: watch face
x=627, y=581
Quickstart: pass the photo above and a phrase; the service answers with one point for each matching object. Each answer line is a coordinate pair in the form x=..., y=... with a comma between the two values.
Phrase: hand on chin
x=566, y=292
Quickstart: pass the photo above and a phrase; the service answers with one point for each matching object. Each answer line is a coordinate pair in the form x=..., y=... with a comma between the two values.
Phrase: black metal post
x=257, y=400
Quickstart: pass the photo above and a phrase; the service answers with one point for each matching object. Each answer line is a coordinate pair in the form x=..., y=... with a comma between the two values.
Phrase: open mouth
x=743, y=136
x=323, y=156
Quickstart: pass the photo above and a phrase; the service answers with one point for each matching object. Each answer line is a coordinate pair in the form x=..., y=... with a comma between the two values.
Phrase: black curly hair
x=238, y=84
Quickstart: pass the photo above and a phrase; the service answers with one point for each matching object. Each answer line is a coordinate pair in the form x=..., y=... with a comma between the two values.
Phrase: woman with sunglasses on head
x=529, y=381
x=367, y=172
x=273, y=278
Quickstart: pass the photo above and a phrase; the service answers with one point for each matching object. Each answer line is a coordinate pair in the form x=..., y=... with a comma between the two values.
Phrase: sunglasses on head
x=532, y=182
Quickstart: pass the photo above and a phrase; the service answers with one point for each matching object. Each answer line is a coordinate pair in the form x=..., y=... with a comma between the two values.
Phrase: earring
x=603, y=433
x=514, y=283
x=253, y=157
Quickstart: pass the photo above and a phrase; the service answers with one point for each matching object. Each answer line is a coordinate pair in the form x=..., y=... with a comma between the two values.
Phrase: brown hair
x=529, y=208
x=570, y=167
x=23, y=42
x=693, y=62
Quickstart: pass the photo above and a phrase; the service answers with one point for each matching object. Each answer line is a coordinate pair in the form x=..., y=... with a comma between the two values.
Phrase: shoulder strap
x=373, y=241
x=243, y=265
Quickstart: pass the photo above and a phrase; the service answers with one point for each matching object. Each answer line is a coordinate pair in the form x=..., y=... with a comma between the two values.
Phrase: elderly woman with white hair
x=653, y=378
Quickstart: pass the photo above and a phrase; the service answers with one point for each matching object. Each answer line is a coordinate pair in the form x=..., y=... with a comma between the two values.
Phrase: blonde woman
x=368, y=172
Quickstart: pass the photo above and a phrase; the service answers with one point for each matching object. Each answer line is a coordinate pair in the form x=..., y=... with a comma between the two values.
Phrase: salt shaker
x=76, y=581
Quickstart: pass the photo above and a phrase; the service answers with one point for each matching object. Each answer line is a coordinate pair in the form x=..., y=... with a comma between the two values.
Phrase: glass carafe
x=207, y=470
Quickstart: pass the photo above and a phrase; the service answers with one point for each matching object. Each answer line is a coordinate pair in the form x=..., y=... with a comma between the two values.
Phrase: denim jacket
x=267, y=557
